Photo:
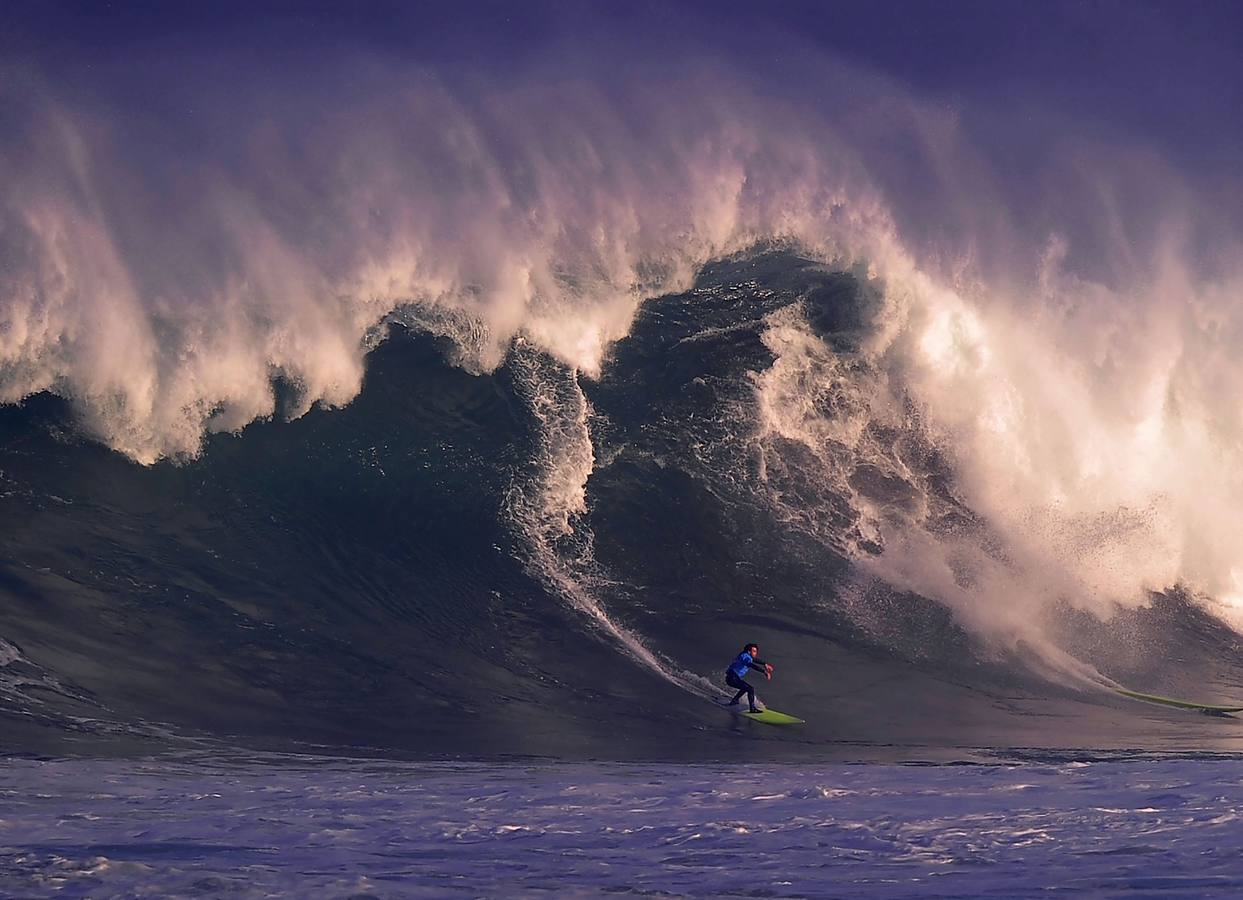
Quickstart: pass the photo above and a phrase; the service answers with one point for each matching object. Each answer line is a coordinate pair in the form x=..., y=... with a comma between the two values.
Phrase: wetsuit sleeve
x=758, y=665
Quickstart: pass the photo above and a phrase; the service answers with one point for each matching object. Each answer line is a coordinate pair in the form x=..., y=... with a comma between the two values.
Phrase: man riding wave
x=748, y=659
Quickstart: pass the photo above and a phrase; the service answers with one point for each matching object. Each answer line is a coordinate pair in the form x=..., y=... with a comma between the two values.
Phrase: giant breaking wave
x=569, y=362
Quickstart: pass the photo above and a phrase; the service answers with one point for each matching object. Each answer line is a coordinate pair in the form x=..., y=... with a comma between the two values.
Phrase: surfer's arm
x=760, y=666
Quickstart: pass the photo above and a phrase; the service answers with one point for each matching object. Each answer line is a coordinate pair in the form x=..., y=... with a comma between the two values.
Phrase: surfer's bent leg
x=743, y=688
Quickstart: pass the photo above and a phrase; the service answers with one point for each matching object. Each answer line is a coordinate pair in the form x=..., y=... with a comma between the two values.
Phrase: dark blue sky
x=1166, y=73
x=1116, y=48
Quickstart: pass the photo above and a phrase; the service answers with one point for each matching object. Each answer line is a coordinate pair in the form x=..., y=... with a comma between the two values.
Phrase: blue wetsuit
x=738, y=668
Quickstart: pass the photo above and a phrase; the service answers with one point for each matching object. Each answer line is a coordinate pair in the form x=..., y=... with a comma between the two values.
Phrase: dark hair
x=747, y=647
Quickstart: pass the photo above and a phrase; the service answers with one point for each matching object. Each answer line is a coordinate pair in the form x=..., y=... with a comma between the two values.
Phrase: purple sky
x=1165, y=73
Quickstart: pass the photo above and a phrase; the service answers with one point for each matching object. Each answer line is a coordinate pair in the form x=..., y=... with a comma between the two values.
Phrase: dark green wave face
x=406, y=574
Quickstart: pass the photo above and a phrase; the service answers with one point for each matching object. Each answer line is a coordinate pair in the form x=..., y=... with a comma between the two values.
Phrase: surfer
x=746, y=660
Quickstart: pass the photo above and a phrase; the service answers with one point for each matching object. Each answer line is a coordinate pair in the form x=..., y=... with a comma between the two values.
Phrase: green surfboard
x=772, y=717
x=1211, y=709
x=767, y=716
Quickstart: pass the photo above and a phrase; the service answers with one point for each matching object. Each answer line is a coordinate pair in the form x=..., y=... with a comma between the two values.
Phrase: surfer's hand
x=768, y=671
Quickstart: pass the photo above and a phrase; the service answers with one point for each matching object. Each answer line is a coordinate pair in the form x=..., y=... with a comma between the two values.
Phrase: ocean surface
x=1069, y=825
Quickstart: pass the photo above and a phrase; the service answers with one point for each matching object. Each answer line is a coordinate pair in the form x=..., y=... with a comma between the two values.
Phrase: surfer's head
x=753, y=649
